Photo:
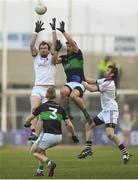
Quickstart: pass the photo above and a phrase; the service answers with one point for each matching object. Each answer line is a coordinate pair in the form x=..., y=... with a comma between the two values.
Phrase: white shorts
x=47, y=140
x=73, y=85
x=40, y=91
x=108, y=116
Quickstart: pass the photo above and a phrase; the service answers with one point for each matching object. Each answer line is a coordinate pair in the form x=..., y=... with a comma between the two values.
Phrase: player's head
x=70, y=47
x=111, y=72
x=44, y=48
x=51, y=93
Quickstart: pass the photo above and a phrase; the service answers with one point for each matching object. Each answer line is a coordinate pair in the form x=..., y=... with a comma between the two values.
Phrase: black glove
x=53, y=24
x=58, y=45
x=38, y=26
x=62, y=26
x=26, y=125
x=33, y=137
x=75, y=139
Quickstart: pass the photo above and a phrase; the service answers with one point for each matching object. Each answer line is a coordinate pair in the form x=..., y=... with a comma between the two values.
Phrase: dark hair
x=114, y=70
x=44, y=43
x=51, y=93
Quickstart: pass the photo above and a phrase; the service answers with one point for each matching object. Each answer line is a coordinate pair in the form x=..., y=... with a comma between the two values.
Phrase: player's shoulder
x=100, y=81
x=54, y=104
x=106, y=83
x=36, y=56
x=61, y=108
x=113, y=84
x=49, y=55
x=63, y=56
x=79, y=51
x=110, y=84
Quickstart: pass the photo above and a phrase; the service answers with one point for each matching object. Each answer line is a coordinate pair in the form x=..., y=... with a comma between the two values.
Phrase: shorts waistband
x=46, y=86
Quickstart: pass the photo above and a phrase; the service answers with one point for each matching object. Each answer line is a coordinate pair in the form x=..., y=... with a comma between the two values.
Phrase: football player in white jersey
x=44, y=66
x=109, y=113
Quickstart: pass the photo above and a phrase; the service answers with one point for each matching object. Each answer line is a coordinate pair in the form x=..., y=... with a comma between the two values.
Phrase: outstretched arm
x=28, y=120
x=91, y=81
x=67, y=36
x=54, y=34
x=72, y=130
x=90, y=87
x=38, y=128
x=38, y=28
x=57, y=48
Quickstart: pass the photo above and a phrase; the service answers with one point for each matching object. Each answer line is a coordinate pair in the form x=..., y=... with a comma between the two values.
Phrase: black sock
x=88, y=144
x=123, y=149
x=68, y=112
x=86, y=114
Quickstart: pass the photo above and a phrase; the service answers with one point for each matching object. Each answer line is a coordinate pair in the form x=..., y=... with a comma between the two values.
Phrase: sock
x=123, y=149
x=41, y=167
x=88, y=144
x=68, y=112
x=47, y=161
x=33, y=131
x=86, y=114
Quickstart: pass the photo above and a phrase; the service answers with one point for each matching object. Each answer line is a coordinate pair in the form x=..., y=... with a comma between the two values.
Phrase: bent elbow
x=31, y=46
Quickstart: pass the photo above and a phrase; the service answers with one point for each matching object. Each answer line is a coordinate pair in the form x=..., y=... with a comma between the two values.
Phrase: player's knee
x=32, y=152
x=73, y=96
x=110, y=136
x=64, y=92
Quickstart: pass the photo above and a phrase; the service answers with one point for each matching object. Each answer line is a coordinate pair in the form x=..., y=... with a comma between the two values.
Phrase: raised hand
x=53, y=24
x=38, y=26
x=62, y=27
x=58, y=45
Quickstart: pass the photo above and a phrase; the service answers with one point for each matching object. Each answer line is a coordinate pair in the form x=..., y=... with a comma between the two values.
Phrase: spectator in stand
x=126, y=123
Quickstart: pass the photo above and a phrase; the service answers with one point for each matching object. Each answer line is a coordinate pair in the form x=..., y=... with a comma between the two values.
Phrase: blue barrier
x=20, y=137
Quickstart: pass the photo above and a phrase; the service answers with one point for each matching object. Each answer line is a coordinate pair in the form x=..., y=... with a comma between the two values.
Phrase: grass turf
x=106, y=163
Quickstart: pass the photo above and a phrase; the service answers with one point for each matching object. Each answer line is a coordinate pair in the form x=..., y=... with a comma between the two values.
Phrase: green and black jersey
x=52, y=115
x=73, y=65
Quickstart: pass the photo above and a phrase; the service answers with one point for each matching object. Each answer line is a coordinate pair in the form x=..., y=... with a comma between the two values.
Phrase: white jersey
x=108, y=94
x=44, y=70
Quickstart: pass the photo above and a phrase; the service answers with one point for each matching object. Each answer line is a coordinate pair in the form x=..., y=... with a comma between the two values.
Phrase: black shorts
x=98, y=122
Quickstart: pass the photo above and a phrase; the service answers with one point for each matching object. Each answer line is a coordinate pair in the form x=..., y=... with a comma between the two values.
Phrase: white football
x=41, y=9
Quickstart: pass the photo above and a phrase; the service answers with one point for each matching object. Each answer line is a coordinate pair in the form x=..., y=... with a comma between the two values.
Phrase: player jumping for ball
x=109, y=114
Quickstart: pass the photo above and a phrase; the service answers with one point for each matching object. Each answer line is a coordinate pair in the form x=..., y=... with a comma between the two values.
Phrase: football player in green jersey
x=73, y=63
x=51, y=116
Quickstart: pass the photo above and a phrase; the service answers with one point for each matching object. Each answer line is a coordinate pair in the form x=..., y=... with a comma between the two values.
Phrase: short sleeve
x=100, y=81
x=37, y=111
x=104, y=86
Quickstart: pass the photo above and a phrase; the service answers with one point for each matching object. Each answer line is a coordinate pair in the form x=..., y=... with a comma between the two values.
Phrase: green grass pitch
x=106, y=163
